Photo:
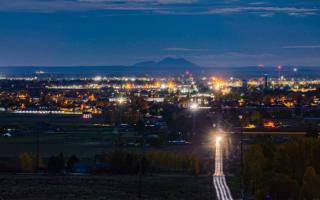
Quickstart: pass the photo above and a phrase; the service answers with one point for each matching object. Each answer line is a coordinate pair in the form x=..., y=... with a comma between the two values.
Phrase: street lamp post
x=241, y=158
x=193, y=107
x=38, y=152
x=261, y=69
x=279, y=68
x=120, y=102
x=141, y=166
x=295, y=70
x=39, y=127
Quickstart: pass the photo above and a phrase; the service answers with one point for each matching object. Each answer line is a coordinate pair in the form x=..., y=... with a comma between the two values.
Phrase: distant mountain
x=145, y=64
x=168, y=63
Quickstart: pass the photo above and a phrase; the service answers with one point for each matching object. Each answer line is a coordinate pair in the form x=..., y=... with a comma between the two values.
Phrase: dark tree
x=56, y=163
x=140, y=127
x=144, y=165
x=72, y=161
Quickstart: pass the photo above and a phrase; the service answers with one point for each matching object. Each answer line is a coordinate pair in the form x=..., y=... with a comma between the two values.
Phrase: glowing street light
x=218, y=139
x=240, y=117
x=121, y=100
x=260, y=66
x=279, y=67
x=97, y=78
x=194, y=106
x=295, y=70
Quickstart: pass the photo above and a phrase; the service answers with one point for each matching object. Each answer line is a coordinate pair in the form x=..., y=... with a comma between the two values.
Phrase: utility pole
x=141, y=167
x=39, y=127
x=38, y=152
x=241, y=158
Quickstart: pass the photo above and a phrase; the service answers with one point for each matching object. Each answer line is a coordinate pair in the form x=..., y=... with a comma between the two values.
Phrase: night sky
x=122, y=32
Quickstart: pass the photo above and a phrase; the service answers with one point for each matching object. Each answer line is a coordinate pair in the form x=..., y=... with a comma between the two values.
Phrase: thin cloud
x=143, y=1
x=262, y=9
x=163, y=7
x=183, y=49
x=302, y=47
x=73, y=5
x=257, y=3
x=267, y=15
x=231, y=59
x=242, y=59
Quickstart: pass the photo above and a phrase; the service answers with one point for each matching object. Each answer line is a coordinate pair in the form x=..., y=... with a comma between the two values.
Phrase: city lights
x=97, y=78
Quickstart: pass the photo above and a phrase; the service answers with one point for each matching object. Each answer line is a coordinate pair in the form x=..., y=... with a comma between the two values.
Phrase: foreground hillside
x=159, y=187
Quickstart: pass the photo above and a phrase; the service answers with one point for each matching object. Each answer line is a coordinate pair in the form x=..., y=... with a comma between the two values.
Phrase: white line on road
x=219, y=180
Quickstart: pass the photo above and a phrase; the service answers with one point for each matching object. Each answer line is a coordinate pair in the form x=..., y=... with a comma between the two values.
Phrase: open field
x=85, y=147
x=88, y=138
x=64, y=133
x=31, y=120
x=82, y=144
x=154, y=187
x=75, y=136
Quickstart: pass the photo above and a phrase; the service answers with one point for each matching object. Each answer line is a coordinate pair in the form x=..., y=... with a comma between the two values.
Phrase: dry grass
x=113, y=187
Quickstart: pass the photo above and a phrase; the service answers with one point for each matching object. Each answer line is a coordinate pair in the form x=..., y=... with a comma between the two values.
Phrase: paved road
x=219, y=180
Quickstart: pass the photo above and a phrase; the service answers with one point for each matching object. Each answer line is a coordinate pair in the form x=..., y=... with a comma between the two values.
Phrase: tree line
x=289, y=170
x=120, y=161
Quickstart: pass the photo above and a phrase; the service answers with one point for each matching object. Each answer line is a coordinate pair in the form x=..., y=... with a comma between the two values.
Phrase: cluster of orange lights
x=269, y=124
x=266, y=124
x=250, y=126
x=91, y=97
x=23, y=106
x=22, y=95
x=218, y=83
x=152, y=85
x=284, y=101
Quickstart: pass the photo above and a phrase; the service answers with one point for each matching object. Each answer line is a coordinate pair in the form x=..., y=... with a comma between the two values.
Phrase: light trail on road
x=219, y=180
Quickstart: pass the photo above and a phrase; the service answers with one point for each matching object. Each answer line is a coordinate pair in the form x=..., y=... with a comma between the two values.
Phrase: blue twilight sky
x=208, y=32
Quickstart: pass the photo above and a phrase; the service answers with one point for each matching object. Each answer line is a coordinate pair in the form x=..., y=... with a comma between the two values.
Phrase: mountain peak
x=168, y=62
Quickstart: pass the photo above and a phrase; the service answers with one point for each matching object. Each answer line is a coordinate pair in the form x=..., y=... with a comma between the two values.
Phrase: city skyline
x=120, y=32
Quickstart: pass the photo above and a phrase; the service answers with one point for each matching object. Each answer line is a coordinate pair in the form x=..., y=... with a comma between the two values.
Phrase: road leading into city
x=219, y=180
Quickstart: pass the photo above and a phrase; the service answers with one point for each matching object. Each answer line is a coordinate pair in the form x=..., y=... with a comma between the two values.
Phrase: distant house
x=82, y=168
x=6, y=135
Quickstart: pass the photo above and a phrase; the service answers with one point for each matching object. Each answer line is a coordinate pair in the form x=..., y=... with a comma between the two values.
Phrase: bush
x=71, y=161
x=56, y=164
x=25, y=162
x=126, y=162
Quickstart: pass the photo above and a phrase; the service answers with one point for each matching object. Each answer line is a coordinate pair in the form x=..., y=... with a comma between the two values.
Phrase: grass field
x=82, y=138
x=75, y=136
x=81, y=143
x=31, y=120
x=114, y=187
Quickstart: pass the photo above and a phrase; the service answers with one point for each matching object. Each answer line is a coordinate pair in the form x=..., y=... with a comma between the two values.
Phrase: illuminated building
x=86, y=115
